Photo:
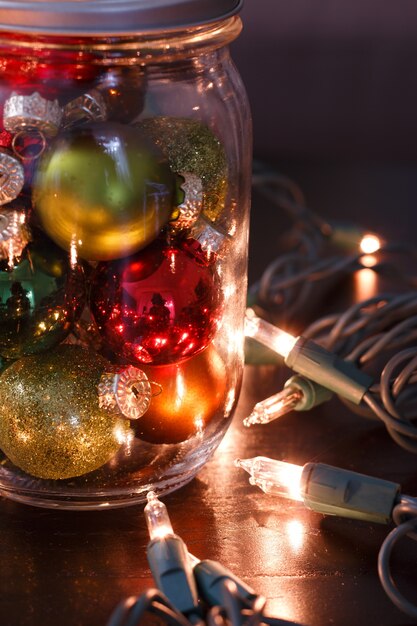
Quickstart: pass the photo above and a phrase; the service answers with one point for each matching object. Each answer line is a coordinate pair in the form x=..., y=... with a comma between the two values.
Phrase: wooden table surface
x=72, y=568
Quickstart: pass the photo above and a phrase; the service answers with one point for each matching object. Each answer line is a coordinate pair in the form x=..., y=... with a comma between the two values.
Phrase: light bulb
x=299, y=394
x=369, y=244
x=277, y=477
x=274, y=407
x=324, y=488
x=310, y=360
x=157, y=518
x=268, y=334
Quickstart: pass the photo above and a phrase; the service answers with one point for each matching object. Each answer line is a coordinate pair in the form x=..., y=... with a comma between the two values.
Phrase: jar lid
x=93, y=17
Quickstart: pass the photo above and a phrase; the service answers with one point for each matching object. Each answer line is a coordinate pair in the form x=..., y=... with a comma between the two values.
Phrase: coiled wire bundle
x=380, y=335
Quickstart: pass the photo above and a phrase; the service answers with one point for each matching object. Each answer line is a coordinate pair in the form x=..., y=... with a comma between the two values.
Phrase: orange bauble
x=193, y=391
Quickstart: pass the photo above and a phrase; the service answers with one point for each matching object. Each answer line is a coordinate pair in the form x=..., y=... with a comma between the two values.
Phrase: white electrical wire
x=406, y=510
x=380, y=335
x=310, y=252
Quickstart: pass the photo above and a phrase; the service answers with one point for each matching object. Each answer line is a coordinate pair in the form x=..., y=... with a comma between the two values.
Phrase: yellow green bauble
x=51, y=423
x=192, y=148
x=104, y=191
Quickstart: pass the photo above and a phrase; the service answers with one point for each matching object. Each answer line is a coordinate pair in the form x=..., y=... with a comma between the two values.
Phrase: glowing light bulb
x=274, y=407
x=157, y=518
x=324, y=488
x=269, y=335
x=369, y=244
x=277, y=477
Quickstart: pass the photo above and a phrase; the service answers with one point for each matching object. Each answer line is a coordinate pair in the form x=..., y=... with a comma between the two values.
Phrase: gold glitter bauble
x=191, y=146
x=193, y=391
x=51, y=425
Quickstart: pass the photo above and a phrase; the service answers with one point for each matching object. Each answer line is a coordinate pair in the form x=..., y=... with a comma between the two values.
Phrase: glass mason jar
x=125, y=161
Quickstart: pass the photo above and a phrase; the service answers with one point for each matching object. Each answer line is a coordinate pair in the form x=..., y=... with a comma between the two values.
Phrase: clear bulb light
x=157, y=518
x=370, y=243
x=269, y=335
x=274, y=407
x=277, y=477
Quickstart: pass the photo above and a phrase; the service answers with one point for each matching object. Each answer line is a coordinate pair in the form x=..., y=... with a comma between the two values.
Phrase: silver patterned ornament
x=90, y=107
x=210, y=237
x=12, y=177
x=192, y=205
x=125, y=392
x=14, y=235
x=31, y=112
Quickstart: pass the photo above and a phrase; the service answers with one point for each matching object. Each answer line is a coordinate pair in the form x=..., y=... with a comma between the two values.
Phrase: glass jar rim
x=110, y=17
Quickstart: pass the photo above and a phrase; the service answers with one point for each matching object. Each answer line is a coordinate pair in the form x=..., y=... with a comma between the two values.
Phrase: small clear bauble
x=124, y=193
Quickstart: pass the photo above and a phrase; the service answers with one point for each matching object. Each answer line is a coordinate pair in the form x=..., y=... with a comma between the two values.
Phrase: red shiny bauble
x=6, y=138
x=158, y=307
x=47, y=67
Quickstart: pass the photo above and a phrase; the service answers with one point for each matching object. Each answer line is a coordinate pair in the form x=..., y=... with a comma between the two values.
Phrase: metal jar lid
x=95, y=17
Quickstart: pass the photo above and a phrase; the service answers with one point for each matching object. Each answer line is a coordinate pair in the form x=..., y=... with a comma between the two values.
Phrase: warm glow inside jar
x=125, y=154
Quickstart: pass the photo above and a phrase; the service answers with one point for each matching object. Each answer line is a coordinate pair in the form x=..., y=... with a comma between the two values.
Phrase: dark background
x=333, y=91
x=331, y=78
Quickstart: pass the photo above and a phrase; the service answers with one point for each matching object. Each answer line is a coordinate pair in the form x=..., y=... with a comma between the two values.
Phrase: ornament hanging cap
x=90, y=107
x=93, y=17
x=29, y=112
x=14, y=235
x=126, y=392
x=190, y=208
x=12, y=177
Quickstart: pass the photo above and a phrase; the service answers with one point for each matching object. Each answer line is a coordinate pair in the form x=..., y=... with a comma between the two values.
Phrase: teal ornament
x=41, y=296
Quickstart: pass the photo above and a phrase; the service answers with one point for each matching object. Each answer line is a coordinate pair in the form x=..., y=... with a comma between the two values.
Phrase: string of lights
x=317, y=254
x=373, y=340
x=334, y=491
x=392, y=399
x=366, y=355
x=189, y=591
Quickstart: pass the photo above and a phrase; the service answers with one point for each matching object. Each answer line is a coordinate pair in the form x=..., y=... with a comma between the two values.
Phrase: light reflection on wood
x=366, y=280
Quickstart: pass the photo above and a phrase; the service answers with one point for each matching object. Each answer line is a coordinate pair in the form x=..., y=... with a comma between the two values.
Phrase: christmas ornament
x=191, y=147
x=12, y=177
x=90, y=107
x=51, y=424
x=41, y=295
x=4, y=364
x=23, y=113
x=49, y=71
x=206, y=241
x=187, y=212
x=125, y=392
x=28, y=146
x=158, y=306
x=104, y=189
x=193, y=393
x=65, y=69
x=123, y=91
x=14, y=236
x=6, y=138
x=85, y=332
